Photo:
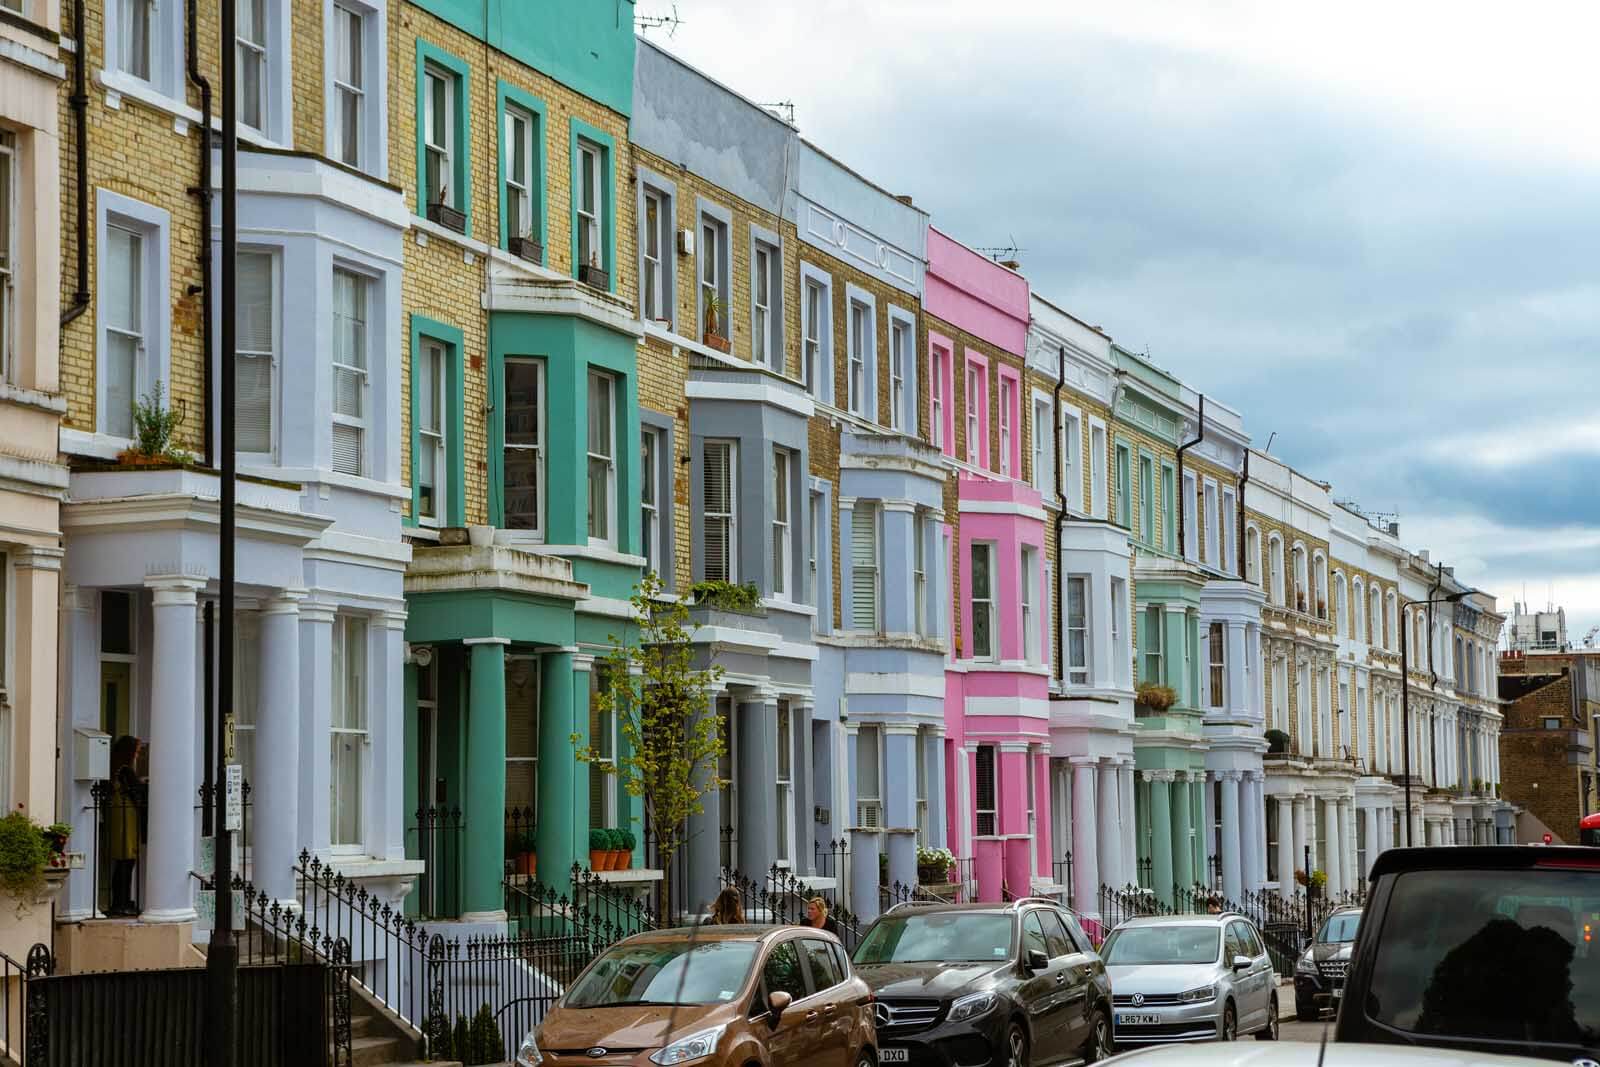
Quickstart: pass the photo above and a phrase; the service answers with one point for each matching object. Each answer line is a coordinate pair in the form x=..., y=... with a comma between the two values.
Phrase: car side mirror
x=1036, y=961
x=1241, y=962
x=777, y=1004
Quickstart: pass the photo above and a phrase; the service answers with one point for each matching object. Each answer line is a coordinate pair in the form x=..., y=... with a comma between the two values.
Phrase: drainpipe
x=1244, y=479
x=1061, y=500
x=80, y=121
x=204, y=193
x=1111, y=443
x=1183, y=508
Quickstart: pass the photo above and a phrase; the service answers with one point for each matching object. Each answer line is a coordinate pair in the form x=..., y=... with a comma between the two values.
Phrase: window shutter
x=718, y=510
x=869, y=790
x=864, y=567
x=347, y=449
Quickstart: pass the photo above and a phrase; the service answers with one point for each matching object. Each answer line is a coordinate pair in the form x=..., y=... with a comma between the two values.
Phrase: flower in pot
x=1277, y=741
x=1155, y=698
x=55, y=837
x=712, y=333
x=520, y=847
x=933, y=865
x=599, y=849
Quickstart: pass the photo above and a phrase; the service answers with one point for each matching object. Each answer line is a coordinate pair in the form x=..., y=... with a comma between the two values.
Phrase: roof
x=1483, y=857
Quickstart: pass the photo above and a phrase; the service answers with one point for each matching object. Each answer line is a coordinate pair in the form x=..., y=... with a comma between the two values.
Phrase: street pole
x=222, y=957
x=1405, y=719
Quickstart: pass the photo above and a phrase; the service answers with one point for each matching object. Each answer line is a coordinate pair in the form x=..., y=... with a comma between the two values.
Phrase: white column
x=1256, y=815
x=1347, y=841
x=1128, y=823
x=316, y=717
x=1288, y=824
x=1300, y=839
x=1334, y=860
x=1085, y=854
x=1232, y=834
x=1374, y=838
x=80, y=640
x=1109, y=831
x=174, y=726
x=1419, y=836
x=275, y=808
x=387, y=822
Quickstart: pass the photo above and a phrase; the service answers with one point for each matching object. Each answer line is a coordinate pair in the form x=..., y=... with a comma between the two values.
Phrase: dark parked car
x=1486, y=949
x=1013, y=984
x=1320, y=970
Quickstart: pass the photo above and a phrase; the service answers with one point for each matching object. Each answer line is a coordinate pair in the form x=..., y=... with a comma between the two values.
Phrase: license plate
x=1138, y=1020
x=894, y=1055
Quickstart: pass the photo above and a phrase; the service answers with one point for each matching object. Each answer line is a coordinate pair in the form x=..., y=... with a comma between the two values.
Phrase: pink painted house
x=997, y=711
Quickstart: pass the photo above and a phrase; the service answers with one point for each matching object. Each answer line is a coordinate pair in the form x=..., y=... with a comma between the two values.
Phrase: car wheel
x=866, y=1060
x=1016, y=1046
x=1270, y=1031
x=1230, y=1024
x=1100, y=1046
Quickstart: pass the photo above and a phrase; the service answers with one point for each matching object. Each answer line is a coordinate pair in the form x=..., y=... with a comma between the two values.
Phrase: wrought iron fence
x=1061, y=875
x=780, y=899
x=1129, y=902
x=23, y=1025
x=439, y=839
x=121, y=829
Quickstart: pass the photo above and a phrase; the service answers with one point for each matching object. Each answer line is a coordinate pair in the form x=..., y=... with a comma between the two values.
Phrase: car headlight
x=1305, y=964
x=970, y=1007
x=1196, y=996
x=528, y=1052
x=696, y=1046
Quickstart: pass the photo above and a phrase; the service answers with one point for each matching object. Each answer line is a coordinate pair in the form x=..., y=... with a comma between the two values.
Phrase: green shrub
x=1277, y=741
x=24, y=851
x=154, y=425
x=599, y=840
x=484, y=1041
x=460, y=1045
x=629, y=842
x=725, y=596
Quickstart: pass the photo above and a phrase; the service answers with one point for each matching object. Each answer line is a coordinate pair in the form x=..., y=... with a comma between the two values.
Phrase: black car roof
x=1481, y=857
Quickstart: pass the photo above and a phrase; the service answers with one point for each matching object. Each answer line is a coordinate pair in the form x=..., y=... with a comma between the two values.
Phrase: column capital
x=75, y=597
x=1231, y=776
x=174, y=589
x=418, y=655
x=36, y=558
x=903, y=729
x=469, y=641
x=395, y=619
x=581, y=661
x=283, y=602
x=1084, y=761
x=1158, y=776
x=314, y=610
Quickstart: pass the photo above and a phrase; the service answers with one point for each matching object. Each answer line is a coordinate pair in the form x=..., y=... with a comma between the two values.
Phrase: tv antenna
x=784, y=106
x=1005, y=255
x=646, y=23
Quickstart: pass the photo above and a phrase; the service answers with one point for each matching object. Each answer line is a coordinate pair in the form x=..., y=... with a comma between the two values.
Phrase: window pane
x=123, y=284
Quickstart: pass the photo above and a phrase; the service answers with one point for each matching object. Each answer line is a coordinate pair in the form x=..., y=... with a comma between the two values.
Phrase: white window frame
x=1120, y=653
x=766, y=316
x=717, y=221
x=782, y=533
x=607, y=537
x=259, y=51
x=919, y=572
x=1099, y=457
x=784, y=846
x=862, y=353
x=362, y=422
x=1190, y=549
x=610, y=813
x=1042, y=458
x=975, y=393
x=919, y=764
x=271, y=355
x=1212, y=516
x=985, y=604
x=519, y=194
x=731, y=516
x=866, y=573
x=1154, y=619
x=361, y=732
x=1008, y=397
x=165, y=40
x=1079, y=667
x=650, y=453
x=537, y=447
x=1276, y=585
x=816, y=333
x=978, y=777
x=1252, y=557
x=434, y=440
x=445, y=151
x=938, y=385
x=1027, y=601
x=1358, y=609
x=126, y=12
x=1217, y=665
x=902, y=370
x=869, y=806
x=663, y=269
x=153, y=225
x=372, y=142
x=1230, y=534
x=591, y=216
x=9, y=216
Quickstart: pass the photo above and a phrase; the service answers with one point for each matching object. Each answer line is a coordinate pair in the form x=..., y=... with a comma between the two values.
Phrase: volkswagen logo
x=1138, y=999
x=882, y=1014
x=596, y=1052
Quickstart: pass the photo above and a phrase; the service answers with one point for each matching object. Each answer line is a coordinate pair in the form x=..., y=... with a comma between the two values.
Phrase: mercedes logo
x=596, y=1052
x=882, y=1014
x=1138, y=998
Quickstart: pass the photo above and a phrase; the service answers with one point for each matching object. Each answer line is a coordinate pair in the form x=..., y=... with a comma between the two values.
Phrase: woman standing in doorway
x=123, y=829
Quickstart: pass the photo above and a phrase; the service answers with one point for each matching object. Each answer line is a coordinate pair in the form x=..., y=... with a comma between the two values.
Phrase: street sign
x=233, y=819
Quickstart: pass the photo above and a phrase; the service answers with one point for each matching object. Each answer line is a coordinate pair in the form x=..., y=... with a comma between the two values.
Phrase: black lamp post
x=1405, y=687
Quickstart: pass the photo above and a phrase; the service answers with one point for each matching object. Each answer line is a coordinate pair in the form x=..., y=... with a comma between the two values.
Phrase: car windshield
x=1340, y=928
x=1162, y=944
x=949, y=937
x=665, y=972
x=1491, y=955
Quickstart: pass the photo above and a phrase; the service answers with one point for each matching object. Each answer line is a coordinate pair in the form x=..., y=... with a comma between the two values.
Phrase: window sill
x=119, y=85
x=512, y=539
x=93, y=444
x=325, y=476
x=49, y=403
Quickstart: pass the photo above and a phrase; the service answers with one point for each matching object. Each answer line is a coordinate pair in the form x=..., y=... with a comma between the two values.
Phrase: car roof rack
x=1052, y=901
x=913, y=904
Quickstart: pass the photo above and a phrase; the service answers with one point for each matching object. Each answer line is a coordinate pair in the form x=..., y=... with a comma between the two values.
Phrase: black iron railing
x=780, y=898
x=121, y=831
x=438, y=839
x=1061, y=874
x=24, y=1028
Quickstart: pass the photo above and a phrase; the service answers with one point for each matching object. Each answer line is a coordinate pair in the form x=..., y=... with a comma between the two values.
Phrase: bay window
x=256, y=363
x=522, y=408
x=1217, y=665
x=1154, y=642
x=719, y=460
x=982, y=600
x=602, y=456
x=1028, y=595
x=349, y=733
x=919, y=574
x=350, y=377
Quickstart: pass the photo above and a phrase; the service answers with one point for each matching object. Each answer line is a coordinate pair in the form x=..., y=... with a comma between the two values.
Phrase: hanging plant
x=24, y=853
x=1154, y=696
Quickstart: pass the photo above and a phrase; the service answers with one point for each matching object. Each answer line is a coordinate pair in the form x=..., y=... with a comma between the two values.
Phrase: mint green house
x=1169, y=746
x=526, y=404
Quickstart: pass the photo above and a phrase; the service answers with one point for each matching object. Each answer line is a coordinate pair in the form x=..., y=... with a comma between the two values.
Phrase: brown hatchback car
x=725, y=996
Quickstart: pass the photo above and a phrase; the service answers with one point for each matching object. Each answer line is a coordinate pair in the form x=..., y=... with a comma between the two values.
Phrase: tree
x=663, y=710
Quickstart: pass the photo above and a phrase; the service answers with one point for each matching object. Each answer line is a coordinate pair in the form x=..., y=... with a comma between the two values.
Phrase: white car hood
x=1150, y=978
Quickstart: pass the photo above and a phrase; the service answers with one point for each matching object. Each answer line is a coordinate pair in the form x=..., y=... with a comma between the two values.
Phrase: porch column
x=316, y=716
x=1231, y=835
x=174, y=727
x=1334, y=846
x=1288, y=825
x=1161, y=833
x=275, y=795
x=702, y=850
x=387, y=825
x=1198, y=811
x=757, y=737
x=1127, y=822
x=1254, y=817
x=485, y=807
x=1085, y=840
x=1347, y=841
x=933, y=760
x=1299, y=855
x=35, y=663
x=1182, y=841
x=1109, y=832
x=900, y=802
x=805, y=855
x=1418, y=837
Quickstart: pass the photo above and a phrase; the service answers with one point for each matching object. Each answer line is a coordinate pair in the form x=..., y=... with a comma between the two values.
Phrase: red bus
x=1589, y=829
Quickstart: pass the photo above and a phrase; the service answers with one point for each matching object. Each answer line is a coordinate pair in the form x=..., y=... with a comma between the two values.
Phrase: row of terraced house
x=528, y=308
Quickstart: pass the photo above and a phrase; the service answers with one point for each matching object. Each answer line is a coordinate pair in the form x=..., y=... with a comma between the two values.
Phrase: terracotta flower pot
x=619, y=859
x=597, y=859
x=525, y=863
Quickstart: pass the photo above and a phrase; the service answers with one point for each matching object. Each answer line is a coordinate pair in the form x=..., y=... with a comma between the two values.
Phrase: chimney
x=1394, y=529
x=905, y=199
x=1011, y=264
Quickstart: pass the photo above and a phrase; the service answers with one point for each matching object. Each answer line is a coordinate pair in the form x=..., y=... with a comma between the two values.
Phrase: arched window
x=1419, y=647
x=1320, y=577
x=1338, y=605
x=1391, y=634
x=1358, y=609
x=1302, y=591
x=1275, y=569
x=1252, y=556
x=1376, y=634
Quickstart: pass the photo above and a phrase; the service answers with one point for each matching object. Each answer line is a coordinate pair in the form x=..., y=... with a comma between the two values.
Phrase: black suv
x=1487, y=949
x=1320, y=970
x=959, y=983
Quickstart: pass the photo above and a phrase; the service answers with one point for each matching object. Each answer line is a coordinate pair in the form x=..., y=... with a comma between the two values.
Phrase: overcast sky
x=1369, y=227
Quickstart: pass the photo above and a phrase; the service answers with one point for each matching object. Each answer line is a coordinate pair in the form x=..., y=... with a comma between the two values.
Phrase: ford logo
x=1138, y=998
x=596, y=1052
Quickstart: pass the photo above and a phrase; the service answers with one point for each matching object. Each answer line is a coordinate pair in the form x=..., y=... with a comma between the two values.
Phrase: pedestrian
x=817, y=916
x=123, y=829
x=726, y=910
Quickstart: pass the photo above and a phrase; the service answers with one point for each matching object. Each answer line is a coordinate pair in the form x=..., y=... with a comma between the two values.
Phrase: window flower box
x=526, y=248
x=449, y=217
x=595, y=277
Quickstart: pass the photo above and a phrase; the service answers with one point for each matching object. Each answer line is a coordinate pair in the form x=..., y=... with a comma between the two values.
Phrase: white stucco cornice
x=513, y=290
x=469, y=568
x=177, y=511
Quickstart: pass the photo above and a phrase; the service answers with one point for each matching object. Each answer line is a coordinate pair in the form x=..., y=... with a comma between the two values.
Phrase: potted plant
x=1277, y=742
x=1300, y=600
x=526, y=248
x=520, y=849
x=614, y=859
x=55, y=837
x=155, y=424
x=712, y=334
x=1322, y=608
x=599, y=849
x=629, y=843
x=24, y=855
x=1315, y=882
x=593, y=274
x=933, y=865
x=1155, y=698
x=451, y=218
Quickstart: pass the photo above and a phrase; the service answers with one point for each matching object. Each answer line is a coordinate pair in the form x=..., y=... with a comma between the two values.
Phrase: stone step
x=361, y=1025
x=373, y=1051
